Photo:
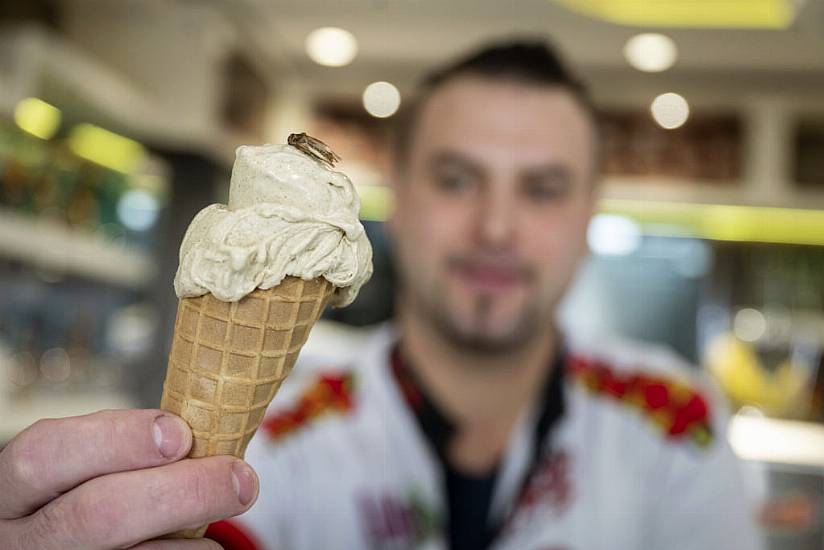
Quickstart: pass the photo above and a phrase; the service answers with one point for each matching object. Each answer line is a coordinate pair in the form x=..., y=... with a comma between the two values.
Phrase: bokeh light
x=613, y=235
x=137, y=210
x=651, y=52
x=381, y=99
x=670, y=110
x=331, y=46
x=749, y=324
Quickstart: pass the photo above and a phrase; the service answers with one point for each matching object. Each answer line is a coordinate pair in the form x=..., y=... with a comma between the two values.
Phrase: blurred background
x=119, y=119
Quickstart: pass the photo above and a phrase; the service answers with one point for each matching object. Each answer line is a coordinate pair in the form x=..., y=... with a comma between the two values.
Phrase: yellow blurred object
x=752, y=14
x=37, y=117
x=746, y=381
x=106, y=148
x=738, y=370
x=789, y=384
x=715, y=222
x=721, y=222
x=376, y=202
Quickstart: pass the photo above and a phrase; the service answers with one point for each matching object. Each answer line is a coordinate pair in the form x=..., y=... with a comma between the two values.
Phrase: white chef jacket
x=639, y=460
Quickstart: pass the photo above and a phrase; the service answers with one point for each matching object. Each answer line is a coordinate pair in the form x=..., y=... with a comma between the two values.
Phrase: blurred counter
x=17, y=414
x=772, y=440
x=51, y=245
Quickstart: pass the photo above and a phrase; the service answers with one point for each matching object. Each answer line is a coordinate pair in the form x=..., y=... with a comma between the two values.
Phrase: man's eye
x=543, y=190
x=454, y=182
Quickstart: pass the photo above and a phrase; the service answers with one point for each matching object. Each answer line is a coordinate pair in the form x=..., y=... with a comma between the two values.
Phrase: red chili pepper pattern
x=675, y=407
x=330, y=394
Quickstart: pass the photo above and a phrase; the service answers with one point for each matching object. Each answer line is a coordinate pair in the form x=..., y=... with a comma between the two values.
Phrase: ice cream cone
x=228, y=360
x=254, y=276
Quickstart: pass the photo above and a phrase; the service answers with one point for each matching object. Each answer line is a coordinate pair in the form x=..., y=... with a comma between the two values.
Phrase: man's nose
x=495, y=218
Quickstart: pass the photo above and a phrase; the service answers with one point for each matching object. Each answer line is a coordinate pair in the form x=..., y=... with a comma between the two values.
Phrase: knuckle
x=120, y=435
x=198, y=492
x=188, y=495
x=125, y=434
x=108, y=431
x=204, y=488
x=24, y=457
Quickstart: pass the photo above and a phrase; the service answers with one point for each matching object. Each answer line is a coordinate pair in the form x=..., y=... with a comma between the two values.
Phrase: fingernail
x=244, y=481
x=168, y=435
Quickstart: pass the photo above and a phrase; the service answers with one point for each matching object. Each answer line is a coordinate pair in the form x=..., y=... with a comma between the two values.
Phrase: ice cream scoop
x=288, y=214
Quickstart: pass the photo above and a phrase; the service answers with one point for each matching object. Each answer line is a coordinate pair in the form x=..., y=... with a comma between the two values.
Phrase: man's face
x=493, y=209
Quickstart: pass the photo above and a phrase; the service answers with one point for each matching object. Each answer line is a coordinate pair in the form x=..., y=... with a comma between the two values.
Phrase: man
x=471, y=422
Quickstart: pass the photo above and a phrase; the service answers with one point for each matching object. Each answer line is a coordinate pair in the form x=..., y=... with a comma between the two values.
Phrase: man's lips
x=489, y=277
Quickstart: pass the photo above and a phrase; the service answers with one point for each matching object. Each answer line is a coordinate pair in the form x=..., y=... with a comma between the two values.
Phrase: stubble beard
x=473, y=333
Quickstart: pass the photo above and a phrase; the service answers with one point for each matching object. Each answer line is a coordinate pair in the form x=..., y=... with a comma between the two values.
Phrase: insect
x=313, y=147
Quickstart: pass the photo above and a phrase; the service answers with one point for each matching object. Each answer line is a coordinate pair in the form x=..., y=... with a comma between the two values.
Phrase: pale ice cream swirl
x=287, y=215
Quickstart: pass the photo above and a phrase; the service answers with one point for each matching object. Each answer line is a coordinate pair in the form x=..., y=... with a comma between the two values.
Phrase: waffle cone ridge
x=228, y=360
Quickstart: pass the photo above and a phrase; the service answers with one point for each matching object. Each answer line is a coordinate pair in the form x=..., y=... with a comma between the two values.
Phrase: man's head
x=495, y=188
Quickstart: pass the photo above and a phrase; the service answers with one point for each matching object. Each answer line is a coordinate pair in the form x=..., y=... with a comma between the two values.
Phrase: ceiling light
x=670, y=110
x=381, y=99
x=651, y=52
x=37, y=117
x=755, y=14
x=106, y=148
x=331, y=46
x=722, y=222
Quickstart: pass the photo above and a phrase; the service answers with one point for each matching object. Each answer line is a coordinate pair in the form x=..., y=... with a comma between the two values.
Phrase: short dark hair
x=527, y=61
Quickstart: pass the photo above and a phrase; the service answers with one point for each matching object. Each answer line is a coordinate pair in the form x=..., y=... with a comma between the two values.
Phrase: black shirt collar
x=439, y=429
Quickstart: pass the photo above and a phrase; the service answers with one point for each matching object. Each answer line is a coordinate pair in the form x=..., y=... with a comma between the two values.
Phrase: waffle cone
x=228, y=360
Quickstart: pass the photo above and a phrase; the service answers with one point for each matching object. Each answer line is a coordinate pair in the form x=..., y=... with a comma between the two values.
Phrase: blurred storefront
x=118, y=122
